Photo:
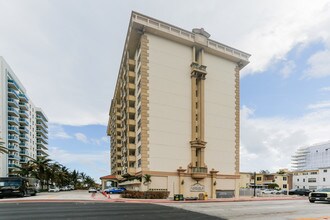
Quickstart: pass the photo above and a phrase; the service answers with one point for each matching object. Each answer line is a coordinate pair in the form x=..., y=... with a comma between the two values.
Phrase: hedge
x=146, y=194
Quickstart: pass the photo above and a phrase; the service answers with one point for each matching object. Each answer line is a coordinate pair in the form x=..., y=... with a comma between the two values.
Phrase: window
x=323, y=179
x=258, y=178
x=139, y=150
x=284, y=178
x=303, y=180
x=139, y=85
x=313, y=173
x=297, y=180
x=139, y=163
x=139, y=98
x=284, y=186
x=312, y=180
x=324, y=171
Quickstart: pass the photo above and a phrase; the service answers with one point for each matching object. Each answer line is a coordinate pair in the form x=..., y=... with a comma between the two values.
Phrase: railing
x=12, y=128
x=11, y=100
x=199, y=170
x=23, y=96
x=13, y=91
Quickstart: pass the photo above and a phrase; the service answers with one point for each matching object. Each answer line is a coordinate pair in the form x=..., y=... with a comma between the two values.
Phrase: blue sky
x=67, y=55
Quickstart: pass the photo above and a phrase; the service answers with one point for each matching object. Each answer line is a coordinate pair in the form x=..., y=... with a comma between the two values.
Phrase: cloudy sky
x=67, y=54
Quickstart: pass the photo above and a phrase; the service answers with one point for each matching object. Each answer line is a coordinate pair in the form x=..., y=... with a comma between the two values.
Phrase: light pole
x=254, y=188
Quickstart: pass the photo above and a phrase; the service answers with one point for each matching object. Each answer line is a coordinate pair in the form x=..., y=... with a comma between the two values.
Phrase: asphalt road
x=94, y=210
x=260, y=210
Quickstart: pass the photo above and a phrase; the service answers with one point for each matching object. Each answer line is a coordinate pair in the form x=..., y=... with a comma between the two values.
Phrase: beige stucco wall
x=220, y=114
x=169, y=104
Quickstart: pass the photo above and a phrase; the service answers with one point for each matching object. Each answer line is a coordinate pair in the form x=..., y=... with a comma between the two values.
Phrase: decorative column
x=213, y=183
x=181, y=180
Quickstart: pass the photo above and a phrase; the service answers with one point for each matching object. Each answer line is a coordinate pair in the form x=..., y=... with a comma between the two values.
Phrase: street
x=80, y=204
x=280, y=209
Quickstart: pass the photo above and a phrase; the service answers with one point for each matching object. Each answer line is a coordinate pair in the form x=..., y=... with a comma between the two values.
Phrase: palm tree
x=147, y=180
x=74, y=178
x=83, y=178
x=40, y=166
x=89, y=181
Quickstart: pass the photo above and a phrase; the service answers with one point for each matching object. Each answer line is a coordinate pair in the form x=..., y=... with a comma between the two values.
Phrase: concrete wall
x=220, y=114
x=169, y=104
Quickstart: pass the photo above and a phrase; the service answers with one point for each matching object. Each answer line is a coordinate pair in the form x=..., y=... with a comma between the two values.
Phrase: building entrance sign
x=197, y=187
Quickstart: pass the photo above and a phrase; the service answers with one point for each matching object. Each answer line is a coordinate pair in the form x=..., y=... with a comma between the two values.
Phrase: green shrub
x=145, y=195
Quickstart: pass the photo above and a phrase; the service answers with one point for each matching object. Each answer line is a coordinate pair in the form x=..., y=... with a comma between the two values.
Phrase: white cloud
x=94, y=163
x=100, y=141
x=67, y=53
x=319, y=65
x=57, y=132
x=268, y=143
x=288, y=69
x=323, y=104
x=81, y=137
x=325, y=89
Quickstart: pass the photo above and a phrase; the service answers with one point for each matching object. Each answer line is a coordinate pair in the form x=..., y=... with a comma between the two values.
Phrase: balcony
x=42, y=125
x=23, y=160
x=131, y=158
x=42, y=135
x=42, y=151
x=23, y=106
x=41, y=139
x=41, y=144
x=23, y=145
x=12, y=93
x=13, y=103
x=131, y=122
x=13, y=130
x=23, y=153
x=23, y=130
x=41, y=117
x=12, y=165
x=12, y=84
x=23, y=98
x=13, y=121
x=13, y=138
x=13, y=112
x=131, y=97
x=131, y=134
x=24, y=137
x=198, y=173
x=23, y=122
x=13, y=157
x=39, y=130
x=23, y=114
x=13, y=148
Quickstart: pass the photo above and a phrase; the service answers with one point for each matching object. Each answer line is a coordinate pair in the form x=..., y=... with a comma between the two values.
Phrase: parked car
x=320, y=195
x=283, y=191
x=53, y=189
x=92, y=190
x=114, y=190
x=300, y=192
x=268, y=191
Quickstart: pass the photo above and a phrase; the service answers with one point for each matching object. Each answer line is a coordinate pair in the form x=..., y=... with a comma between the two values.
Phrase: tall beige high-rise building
x=175, y=111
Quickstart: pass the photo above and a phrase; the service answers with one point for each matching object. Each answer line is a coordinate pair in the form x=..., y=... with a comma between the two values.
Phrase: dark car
x=17, y=186
x=320, y=195
x=300, y=192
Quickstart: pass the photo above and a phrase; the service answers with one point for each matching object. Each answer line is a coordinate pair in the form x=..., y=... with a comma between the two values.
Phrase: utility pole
x=254, y=188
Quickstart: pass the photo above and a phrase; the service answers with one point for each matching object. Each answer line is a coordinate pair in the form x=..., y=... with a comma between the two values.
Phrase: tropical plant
x=147, y=180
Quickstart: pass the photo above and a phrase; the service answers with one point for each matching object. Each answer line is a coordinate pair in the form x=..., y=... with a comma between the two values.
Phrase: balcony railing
x=13, y=111
x=23, y=121
x=23, y=114
x=23, y=106
x=13, y=138
x=12, y=102
x=23, y=129
x=23, y=97
x=12, y=93
x=199, y=170
x=12, y=84
x=13, y=120
x=13, y=129
x=13, y=157
x=13, y=148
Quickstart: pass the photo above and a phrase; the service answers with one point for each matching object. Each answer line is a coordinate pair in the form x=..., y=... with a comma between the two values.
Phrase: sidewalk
x=82, y=196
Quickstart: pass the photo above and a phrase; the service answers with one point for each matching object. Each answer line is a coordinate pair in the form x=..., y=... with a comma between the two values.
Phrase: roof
x=109, y=177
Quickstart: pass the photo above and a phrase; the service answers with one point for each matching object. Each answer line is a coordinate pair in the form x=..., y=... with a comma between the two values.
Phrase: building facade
x=175, y=111
x=312, y=179
x=312, y=157
x=19, y=128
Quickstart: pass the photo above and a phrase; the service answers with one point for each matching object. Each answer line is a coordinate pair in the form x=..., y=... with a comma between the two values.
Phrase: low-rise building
x=312, y=179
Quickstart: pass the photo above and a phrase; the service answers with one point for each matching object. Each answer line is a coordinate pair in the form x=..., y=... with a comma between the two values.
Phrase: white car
x=268, y=191
x=53, y=189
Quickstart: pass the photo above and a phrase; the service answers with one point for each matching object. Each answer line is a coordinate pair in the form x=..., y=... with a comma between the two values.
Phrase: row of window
x=311, y=180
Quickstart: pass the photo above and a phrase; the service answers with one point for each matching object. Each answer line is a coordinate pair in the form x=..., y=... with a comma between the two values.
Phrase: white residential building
x=311, y=179
x=312, y=157
x=19, y=130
